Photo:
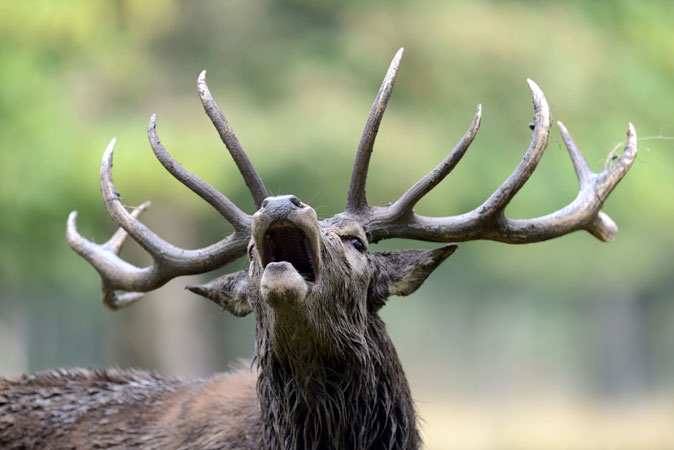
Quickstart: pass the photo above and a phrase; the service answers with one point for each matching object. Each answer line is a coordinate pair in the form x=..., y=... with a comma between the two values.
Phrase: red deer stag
x=327, y=374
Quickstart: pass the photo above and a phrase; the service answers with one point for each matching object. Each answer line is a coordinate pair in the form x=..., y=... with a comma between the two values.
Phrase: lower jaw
x=282, y=285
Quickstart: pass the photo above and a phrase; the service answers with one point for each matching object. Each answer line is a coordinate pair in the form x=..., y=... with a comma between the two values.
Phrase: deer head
x=313, y=285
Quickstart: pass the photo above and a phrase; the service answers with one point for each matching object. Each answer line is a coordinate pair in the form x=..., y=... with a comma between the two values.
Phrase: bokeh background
x=567, y=344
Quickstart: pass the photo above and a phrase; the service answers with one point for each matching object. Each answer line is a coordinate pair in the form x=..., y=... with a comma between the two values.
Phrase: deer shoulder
x=113, y=408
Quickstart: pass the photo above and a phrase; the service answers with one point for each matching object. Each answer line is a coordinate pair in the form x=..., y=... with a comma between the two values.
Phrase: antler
x=250, y=176
x=488, y=221
x=168, y=261
x=356, y=201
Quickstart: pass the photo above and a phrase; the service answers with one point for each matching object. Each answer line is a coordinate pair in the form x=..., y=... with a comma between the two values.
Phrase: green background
x=550, y=345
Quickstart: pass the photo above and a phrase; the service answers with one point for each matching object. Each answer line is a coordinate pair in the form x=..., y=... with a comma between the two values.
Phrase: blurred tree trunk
x=169, y=330
x=618, y=331
x=13, y=337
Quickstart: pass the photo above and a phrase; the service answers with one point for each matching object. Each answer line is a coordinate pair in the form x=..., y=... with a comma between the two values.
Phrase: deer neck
x=358, y=398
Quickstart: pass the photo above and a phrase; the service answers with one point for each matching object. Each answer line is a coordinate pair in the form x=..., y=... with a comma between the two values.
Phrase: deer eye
x=357, y=243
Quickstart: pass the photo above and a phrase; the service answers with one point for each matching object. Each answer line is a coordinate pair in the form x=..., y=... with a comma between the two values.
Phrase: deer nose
x=281, y=203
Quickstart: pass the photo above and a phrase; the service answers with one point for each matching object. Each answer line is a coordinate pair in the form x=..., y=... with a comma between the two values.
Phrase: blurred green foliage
x=296, y=79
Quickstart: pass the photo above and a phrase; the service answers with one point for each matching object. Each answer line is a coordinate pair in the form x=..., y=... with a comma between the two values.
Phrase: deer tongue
x=282, y=284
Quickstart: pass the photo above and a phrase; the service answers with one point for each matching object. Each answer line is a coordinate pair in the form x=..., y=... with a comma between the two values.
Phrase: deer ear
x=229, y=291
x=402, y=272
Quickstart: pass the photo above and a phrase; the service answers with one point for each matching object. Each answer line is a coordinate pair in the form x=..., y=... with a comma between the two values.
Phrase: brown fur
x=81, y=409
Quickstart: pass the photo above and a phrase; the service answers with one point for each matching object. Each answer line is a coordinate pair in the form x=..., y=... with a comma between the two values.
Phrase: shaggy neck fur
x=358, y=399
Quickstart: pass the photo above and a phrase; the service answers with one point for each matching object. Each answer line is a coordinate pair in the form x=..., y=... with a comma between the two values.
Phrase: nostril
x=265, y=202
x=295, y=201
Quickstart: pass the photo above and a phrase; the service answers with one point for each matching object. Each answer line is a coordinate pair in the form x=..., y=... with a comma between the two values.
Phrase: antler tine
x=583, y=213
x=215, y=198
x=356, y=202
x=104, y=259
x=602, y=184
x=152, y=243
x=497, y=202
x=583, y=171
x=410, y=198
x=111, y=299
x=114, y=244
x=168, y=261
x=612, y=174
x=488, y=221
x=239, y=155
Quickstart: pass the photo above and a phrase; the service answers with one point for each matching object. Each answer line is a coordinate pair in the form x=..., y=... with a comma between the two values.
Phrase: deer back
x=113, y=408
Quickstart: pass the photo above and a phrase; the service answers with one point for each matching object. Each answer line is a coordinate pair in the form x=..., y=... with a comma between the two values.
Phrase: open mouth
x=284, y=241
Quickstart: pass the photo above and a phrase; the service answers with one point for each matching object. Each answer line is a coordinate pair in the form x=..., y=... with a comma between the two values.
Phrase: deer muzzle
x=287, y=238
